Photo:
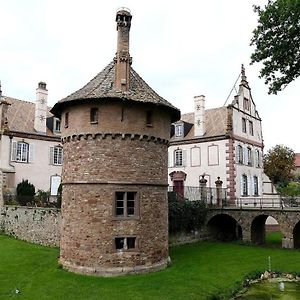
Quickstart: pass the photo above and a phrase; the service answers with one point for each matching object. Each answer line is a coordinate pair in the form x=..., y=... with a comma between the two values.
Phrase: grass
x=199, y=271
x=274, y=239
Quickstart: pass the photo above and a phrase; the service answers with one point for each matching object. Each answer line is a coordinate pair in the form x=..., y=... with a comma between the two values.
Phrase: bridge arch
x=296, y=236
x=223, y=227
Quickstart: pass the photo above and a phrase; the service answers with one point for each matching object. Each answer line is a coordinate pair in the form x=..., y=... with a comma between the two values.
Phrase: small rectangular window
x=178, y=158
x=249, y=156
x=244, y=185
x=149, y=118
x=125, y=243
x=246, y=104
x=67, y=119
x=94, y=115
x=125, y=204
x=255, y=185
x=179, y=130
x=56, y=125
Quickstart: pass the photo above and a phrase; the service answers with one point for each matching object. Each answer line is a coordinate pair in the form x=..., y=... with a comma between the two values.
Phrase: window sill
x=149, y=125
x=94, y=122
x=115, y=218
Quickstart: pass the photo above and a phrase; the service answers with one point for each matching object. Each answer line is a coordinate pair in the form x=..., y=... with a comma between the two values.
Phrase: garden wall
x=41, y=225
x=33, y=224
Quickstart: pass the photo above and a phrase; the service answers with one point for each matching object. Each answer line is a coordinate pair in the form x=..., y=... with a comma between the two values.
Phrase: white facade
x=230, y=147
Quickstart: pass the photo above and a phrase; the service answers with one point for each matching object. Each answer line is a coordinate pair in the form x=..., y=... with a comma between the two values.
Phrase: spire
x=122, y=59
x=243, y=75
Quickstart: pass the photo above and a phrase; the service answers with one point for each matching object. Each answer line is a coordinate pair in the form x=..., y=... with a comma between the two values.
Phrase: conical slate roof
x=102, y=87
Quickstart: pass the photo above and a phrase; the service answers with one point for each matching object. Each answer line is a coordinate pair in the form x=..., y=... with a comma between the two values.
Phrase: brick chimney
x=41, y=108
x=199, y=122
x=122, y=59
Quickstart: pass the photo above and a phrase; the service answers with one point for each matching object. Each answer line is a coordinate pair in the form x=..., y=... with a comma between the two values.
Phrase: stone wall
x=33, y=224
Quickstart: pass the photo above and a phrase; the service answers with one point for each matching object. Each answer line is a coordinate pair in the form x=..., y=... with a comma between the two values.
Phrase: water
x=271, y=291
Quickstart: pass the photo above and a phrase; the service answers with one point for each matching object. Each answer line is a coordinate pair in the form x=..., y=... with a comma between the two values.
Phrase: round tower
x=115, y=133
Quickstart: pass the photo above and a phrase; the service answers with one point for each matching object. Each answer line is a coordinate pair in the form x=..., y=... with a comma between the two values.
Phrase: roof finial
x=243, y=73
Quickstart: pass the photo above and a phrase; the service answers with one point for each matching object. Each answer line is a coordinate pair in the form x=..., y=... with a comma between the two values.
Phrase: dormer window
x=179, y=130
x=56, y=125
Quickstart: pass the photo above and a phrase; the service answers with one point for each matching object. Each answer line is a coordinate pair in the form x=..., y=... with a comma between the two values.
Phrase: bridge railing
x=210, y=196
x=258, y=202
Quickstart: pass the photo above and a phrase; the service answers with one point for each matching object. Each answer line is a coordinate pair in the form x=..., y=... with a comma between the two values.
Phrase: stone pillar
x=287, y=242
x=219, y=191
x=203, y=189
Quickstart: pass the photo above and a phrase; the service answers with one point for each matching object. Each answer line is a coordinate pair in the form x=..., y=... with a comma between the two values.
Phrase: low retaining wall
x=41, y=225
x=33, y=224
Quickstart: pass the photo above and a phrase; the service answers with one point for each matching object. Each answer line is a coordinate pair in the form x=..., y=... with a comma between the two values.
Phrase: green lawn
x=274, y=239
x=199, y=271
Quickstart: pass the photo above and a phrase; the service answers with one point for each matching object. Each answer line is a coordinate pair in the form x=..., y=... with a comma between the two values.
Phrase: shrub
x=185, y=215
x=25, y=193
x=42, y=198
x=59, y=195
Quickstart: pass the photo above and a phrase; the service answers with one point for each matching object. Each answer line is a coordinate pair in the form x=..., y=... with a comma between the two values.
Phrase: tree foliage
x=277, y=42
x=279, y=164
x=25, y=192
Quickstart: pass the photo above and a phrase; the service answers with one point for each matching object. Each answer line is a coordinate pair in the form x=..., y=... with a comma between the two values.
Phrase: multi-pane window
x=244, y=126
x=249, y=156
x=125, y=243
x=179, y=130
x=22, y=151
x=255, y=185
x=251, y=127
x=94, y=115
x=125, y=204
x=244, y=185
x=178, y=158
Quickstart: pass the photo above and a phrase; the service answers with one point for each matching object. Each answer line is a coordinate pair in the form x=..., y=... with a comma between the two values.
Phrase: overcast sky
x=180, y=48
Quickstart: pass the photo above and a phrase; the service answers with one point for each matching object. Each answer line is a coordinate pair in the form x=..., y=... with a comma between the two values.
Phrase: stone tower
x=115, y=133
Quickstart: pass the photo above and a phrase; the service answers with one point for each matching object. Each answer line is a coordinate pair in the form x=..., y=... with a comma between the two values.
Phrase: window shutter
x=31, y=153
x=237, y=154
x=242, y=185
x=13, y=156
x=245, y=160
x=183, y=158
x=51, y=156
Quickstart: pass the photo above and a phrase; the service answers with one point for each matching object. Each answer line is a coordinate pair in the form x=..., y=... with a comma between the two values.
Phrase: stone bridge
x=248, y=224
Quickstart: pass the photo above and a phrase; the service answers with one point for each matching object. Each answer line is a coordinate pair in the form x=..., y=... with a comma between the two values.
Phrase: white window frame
x=244, y=191
x=56, y=125
x=56, y=156
x=178, y=130
x=244, y=125
x=22, y=152
x=249, y=156
x=257, y=158
x=255, y=186
x=178, y=158
x=240, y=153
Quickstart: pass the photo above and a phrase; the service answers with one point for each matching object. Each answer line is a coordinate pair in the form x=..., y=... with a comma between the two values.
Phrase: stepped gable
x=102, y=87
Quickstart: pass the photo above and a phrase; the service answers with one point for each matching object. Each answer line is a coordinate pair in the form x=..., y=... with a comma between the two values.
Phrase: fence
x=210, y=196
x=278, y=202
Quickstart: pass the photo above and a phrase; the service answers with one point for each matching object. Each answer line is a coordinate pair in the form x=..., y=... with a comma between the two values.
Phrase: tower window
x=67, y=119
x=94, y=115
x=125, y=204
x=149, y=118
x=125, y=243
x=246, y=104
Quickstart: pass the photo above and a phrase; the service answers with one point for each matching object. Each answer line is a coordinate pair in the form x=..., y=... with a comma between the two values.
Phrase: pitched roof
x=215, y=124
x=20, y=116
x=102, y=87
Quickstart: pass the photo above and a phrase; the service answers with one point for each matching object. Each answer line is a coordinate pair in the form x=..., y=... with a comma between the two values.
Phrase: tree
x=279, y=164
x=25, y=192
x=277, y=42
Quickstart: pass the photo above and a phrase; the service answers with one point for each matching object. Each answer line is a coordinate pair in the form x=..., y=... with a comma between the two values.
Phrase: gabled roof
x=20, y=116
x=215, y=124
x=102, y=87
